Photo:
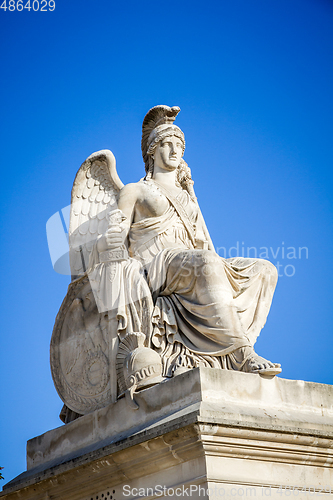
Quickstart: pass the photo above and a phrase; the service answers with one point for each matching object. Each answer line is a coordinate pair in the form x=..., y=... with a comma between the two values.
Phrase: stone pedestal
x=203, y=434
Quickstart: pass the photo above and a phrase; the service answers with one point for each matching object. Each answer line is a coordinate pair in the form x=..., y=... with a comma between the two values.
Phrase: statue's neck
x=165, y=177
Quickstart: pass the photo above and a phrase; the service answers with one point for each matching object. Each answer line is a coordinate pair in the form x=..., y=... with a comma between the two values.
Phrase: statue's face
x=168, y=153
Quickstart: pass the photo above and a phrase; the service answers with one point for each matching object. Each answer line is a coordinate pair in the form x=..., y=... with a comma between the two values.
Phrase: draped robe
x=206, y=307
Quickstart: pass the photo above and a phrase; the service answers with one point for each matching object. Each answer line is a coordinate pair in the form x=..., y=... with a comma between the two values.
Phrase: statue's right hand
x=113, y=238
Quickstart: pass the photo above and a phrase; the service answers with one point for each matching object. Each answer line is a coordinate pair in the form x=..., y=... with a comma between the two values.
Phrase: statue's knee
x=205, y=256
x=208, y=266
x=200, y=263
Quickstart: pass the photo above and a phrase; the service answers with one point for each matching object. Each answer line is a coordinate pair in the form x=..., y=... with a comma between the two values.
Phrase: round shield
x=79, y=351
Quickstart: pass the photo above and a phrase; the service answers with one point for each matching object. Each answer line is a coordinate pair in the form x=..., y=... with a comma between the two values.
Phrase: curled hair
x=184, y=179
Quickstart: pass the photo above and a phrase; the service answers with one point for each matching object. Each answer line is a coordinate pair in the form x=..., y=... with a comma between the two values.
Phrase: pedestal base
x=203, y=434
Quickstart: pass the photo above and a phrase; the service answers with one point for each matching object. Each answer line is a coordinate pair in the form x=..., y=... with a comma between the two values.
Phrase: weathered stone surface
x=205, y=427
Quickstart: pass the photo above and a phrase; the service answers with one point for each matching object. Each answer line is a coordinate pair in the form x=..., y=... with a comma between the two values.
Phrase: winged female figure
x=155, y=265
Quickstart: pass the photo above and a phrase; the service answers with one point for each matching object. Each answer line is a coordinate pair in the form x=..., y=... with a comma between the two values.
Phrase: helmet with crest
x=158, y=124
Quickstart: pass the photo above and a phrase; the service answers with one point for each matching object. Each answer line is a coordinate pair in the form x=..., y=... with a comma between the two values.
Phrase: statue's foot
x=253, y=363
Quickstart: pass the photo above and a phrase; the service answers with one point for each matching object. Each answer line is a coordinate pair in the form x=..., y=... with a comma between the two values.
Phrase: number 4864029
x=42, y=5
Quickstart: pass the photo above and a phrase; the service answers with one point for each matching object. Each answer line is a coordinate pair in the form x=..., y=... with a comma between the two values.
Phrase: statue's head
x=157, y=128
x=167, y=148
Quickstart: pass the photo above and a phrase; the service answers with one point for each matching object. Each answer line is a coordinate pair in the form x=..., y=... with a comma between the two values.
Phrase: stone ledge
x=209, y=411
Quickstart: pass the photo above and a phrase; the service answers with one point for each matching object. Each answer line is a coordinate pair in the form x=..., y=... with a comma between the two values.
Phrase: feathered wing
x=94, y=194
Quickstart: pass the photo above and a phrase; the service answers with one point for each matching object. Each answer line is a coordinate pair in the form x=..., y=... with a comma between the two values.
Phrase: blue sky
x=254, y=83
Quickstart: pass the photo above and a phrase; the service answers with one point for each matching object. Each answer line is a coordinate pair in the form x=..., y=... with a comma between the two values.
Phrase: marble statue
x=150, y=298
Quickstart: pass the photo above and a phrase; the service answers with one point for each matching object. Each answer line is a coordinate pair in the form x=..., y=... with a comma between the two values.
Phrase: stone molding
x=223, y=431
